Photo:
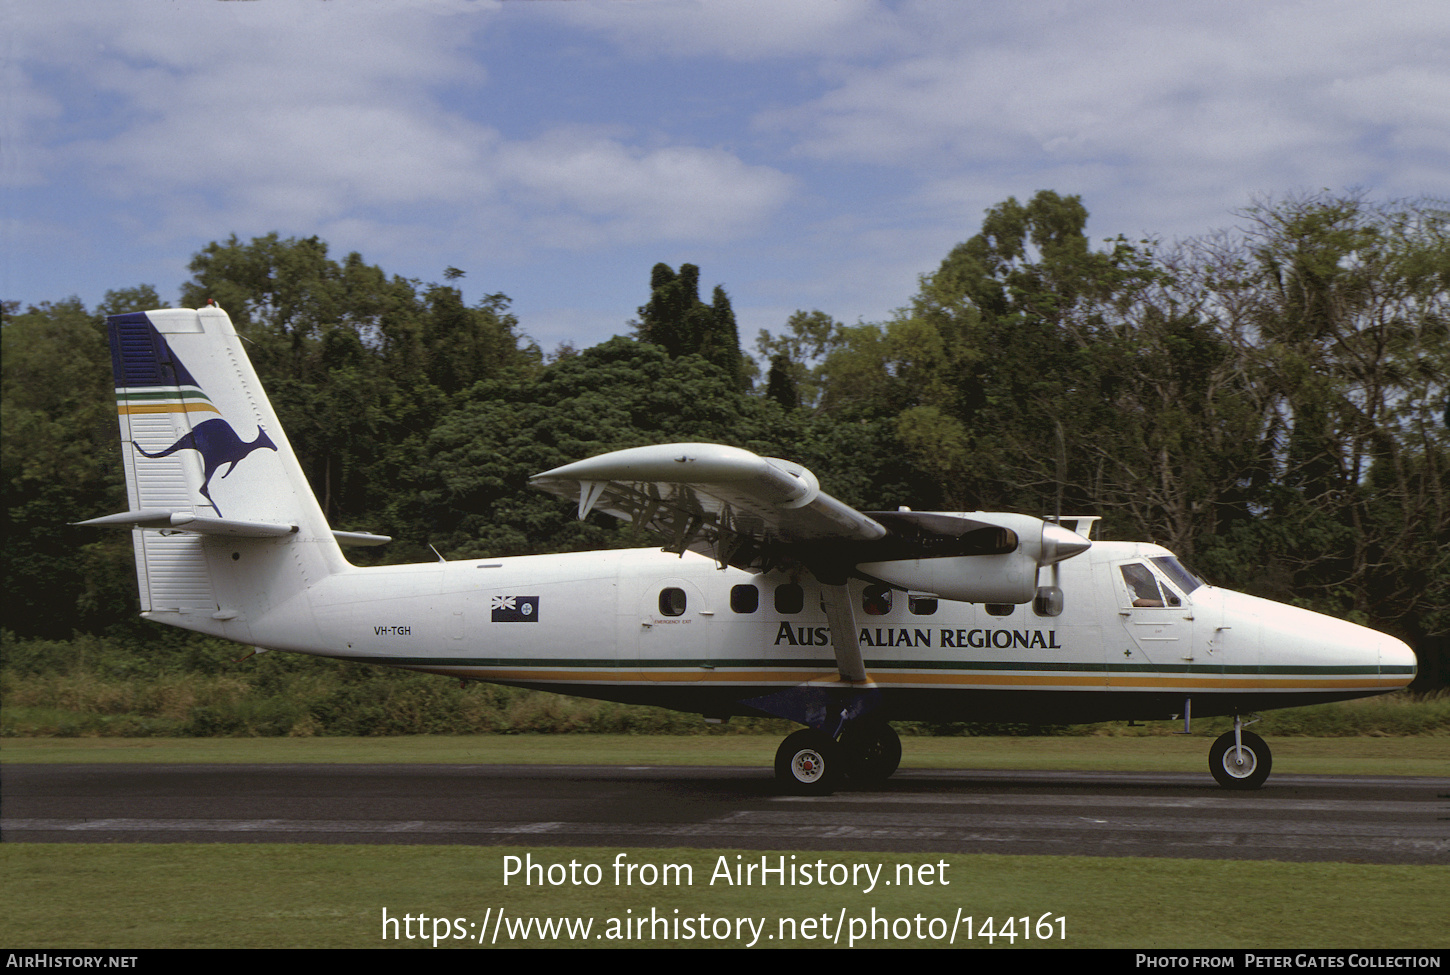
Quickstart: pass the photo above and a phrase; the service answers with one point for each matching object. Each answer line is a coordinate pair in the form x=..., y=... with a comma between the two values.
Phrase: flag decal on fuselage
x=515, y=609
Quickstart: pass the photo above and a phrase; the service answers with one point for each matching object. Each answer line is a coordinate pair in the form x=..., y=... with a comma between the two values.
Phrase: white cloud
x=255, y=117
x=593, y=189
x=236, y=97
x=830, y=149
x=1158, y=101
x=1093, y=73
x=736, y=29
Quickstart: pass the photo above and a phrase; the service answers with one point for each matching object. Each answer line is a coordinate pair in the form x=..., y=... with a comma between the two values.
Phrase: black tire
x=871, y=750
x=1230, y=771
x=808, y=763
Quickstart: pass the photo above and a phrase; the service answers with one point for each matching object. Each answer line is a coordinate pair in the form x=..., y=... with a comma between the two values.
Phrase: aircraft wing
x=738, y=507
x=761, y=513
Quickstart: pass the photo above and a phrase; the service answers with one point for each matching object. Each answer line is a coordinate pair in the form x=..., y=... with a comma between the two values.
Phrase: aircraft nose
x=1397, y=660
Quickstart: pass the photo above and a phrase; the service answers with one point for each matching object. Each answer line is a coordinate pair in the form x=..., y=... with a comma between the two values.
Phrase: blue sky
x=806, y=154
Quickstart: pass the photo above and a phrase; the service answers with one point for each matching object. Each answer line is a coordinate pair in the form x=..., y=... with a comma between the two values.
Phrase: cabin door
x=672, y=632
x=1156, y=617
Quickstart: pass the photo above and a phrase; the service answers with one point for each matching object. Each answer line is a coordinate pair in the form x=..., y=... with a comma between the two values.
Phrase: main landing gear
x=1239, y=759
x=812, y=763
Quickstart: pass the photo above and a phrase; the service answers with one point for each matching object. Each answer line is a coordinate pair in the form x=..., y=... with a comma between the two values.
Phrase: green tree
x=995, y=368
x=357, y=363
x=1346, y=307
x=780, y=384
x=471, y=492
x=677, y=320
x=126, y=300
x=808, y=338
x=60, y=465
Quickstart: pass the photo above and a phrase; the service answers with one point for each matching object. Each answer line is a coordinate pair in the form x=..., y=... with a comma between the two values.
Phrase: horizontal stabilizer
x=360, y=539
x=186, y=521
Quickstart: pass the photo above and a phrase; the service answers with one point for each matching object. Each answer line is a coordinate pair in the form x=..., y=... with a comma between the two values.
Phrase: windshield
x=1174, y=570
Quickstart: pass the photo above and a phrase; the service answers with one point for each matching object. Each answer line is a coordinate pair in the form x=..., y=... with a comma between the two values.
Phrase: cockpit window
x=1145, y=588
x=1176, y=573
x=1142, y=585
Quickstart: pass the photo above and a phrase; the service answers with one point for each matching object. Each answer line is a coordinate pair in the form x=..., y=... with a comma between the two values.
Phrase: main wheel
x=1234, y=771
x=872, y=751
x=808, y=763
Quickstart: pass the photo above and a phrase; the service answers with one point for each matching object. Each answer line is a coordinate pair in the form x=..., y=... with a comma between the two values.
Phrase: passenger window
x=672, y=602
x=999, y=609
x=744, y=599
x=789, y=599
x=921, y=605
x=876, y=600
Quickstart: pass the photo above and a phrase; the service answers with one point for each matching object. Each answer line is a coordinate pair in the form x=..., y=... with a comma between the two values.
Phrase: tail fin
x=225, y=524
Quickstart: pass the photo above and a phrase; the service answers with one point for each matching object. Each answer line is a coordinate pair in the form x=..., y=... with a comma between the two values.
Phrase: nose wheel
x=1241, y=765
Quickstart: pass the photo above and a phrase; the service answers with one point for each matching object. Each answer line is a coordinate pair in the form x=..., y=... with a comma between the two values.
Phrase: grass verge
x=1318, y=756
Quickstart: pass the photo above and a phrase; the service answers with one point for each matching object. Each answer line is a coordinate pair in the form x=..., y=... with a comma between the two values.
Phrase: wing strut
x=844, y=639
x=589, y=494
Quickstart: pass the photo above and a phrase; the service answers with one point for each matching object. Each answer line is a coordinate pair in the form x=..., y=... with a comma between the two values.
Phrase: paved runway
x=1295, y=817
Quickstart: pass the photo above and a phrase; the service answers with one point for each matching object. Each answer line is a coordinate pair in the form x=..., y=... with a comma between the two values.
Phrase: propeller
x=1058, y=543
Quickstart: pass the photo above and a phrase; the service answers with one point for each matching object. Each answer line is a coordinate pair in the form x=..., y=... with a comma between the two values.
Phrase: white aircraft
x=769, y=598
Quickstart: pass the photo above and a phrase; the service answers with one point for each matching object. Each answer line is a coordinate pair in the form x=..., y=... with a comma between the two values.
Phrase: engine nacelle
x=1007, y=575
x=966, y=578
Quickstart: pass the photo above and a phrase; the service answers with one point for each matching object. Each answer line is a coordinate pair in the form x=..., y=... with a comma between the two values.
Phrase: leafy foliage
x=677, y=320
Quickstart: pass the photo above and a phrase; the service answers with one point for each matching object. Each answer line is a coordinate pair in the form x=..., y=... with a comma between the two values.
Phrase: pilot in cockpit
x=1143, y=585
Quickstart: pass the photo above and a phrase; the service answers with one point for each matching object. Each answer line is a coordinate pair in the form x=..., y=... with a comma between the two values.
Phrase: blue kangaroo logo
x=218, y=444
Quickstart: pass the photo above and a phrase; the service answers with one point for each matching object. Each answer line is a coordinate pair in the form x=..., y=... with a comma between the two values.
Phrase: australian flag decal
x=515, y=609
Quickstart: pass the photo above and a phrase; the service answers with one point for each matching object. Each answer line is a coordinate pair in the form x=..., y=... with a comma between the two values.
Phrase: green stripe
x=161, y=393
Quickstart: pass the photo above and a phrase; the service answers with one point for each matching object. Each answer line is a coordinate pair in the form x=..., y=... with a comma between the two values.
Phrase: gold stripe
x=1304, y=682
x=996, y=680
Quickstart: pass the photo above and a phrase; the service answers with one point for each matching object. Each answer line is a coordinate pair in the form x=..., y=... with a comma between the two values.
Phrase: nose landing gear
x=1239, y=759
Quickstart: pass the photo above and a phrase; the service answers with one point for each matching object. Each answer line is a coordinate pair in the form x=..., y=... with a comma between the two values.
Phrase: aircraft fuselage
x=642, y=626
